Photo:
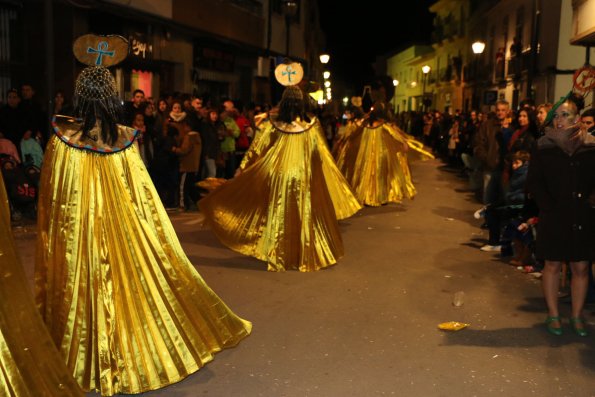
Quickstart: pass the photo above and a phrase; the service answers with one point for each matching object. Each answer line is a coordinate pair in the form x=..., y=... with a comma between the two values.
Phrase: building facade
x=532, y=49
x=213, y=48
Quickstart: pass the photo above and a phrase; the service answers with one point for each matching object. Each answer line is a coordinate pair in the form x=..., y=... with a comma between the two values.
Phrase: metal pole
x=423, y=93
x=287, y=28
x=534, y=42
x=49, y=58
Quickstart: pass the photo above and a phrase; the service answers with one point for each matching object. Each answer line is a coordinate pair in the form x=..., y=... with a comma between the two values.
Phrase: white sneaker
x=491, y=248
x=479, y=213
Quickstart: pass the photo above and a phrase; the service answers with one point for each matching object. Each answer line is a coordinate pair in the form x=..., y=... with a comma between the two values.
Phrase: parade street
x=368, y=326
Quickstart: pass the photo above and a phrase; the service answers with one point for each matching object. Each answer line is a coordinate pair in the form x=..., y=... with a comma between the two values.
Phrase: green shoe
x=553, y=330
x=574, y=321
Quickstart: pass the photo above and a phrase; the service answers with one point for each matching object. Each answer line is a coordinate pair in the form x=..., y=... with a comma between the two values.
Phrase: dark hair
x=137, y=91
x=589, y=113
x=292, y=105
x=521, y=155
x=93, y=111
x=378, y=112
x=578, y=101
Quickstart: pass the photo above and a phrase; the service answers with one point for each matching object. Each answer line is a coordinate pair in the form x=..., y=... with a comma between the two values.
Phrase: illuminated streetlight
x=324, y=58
x=327, y=83
x=425, y=69
x=395, y=84
x=326, y=75
x=478, y=47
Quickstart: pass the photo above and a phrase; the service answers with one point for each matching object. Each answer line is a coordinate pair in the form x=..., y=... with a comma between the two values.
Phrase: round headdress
x=292, y=102
x=96, y=94
x=95, y=83
x=289, y=73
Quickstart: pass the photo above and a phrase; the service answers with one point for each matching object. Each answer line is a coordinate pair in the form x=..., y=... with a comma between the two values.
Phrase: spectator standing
x=12, y=120
x=489, y=151
x=588, y=121
x=561, y=181
x=228, y=143
x=61, y=106
x=136, y=105
x=210, y=131
x=35, y=118
x=189, y=158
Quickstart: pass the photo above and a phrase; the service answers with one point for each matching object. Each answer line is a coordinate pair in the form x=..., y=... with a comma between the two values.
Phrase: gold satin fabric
x=30, y=365
x=375, y=164
x=121, y=300
x=280, y=208
x=344, y=201
x=342, y=147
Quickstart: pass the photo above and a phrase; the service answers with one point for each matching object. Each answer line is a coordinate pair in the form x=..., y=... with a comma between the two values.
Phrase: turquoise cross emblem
x=288, y=72
x=101, y=50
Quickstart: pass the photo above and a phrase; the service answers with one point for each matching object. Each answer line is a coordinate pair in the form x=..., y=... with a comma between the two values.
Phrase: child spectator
x=514, y=198
x=31, y=150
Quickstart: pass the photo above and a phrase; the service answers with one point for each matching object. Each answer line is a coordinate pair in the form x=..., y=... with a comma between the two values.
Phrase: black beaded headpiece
x=96, y=96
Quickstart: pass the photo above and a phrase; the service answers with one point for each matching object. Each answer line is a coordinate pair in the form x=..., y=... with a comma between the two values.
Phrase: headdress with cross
x=95, y=90
x=95, y=84
x=289, y=73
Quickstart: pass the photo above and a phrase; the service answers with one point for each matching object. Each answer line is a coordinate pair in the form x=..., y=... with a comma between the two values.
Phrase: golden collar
x=295, y=127
x=69, y=130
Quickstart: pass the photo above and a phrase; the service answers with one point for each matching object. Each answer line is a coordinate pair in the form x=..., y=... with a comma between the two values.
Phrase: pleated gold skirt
x=126, y=308
x=280, y=209
x=376, y=167
x=30, y=365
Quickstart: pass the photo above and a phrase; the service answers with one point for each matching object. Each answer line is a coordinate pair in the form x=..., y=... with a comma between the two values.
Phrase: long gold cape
x=30, y=365
x=375, y=164
x=123, y=303
x=280, y=209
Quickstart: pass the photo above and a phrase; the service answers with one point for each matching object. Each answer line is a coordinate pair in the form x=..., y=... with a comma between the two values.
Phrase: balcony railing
x=518, y=64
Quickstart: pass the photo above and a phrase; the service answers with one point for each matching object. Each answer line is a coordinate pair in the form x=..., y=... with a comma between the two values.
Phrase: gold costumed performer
x=376, y=160
x=30, y=365
x=355, y=119
x=283, y=208
x=126, y=308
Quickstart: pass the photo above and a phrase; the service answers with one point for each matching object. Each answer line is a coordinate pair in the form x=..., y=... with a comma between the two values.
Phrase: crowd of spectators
x=492, y=152
x=182, y=139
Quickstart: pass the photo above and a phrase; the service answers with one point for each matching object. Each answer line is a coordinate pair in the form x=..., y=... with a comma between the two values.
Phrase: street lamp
x=289, y=9
x=395, y=84
x=326, y=75
x=425, y=69
x=324, y=58
x=477, y=47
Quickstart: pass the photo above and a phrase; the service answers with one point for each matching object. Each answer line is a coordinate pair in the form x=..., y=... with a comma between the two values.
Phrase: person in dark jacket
x=489, y=151
x=562, y=182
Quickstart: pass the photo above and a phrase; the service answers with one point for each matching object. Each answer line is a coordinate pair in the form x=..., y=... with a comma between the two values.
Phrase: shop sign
x=140, y=47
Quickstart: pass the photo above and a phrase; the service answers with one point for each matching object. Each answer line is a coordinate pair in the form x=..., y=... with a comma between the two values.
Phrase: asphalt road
x=368, y=326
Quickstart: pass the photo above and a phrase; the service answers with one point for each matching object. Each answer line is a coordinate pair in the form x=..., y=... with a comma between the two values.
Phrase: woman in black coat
x=562, y=182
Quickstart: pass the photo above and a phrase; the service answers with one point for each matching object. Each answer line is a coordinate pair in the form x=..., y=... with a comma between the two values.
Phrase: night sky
x=383, y=30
